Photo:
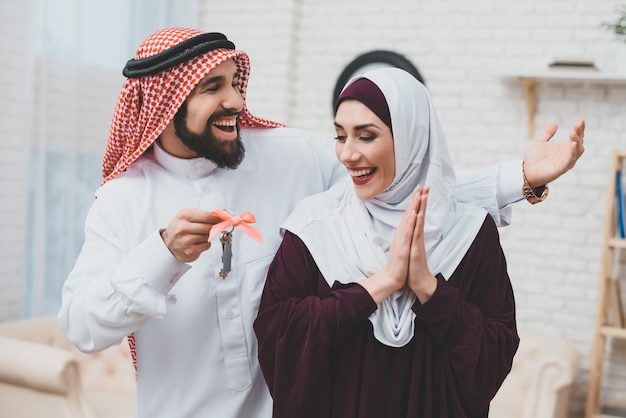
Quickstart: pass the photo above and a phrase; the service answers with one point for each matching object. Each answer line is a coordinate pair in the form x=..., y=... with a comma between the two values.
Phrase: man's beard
x=225, y=154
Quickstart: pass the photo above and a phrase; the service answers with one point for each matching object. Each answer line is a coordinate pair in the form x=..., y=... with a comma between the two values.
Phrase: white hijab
x=349, y=238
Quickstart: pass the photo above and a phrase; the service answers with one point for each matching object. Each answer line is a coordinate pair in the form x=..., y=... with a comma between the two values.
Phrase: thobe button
x=206, y=188
x=230, y=315
x=173, y=278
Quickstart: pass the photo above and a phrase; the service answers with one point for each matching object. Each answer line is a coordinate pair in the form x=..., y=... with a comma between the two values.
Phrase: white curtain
x=81, y=50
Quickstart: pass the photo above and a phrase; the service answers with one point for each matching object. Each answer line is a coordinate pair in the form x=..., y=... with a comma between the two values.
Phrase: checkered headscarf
x=146, y=105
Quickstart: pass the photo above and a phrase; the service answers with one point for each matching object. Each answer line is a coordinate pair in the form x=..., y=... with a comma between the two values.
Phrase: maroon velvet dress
x=320, y=359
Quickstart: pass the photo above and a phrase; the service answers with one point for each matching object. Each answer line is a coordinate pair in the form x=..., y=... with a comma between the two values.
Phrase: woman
x=352, y=323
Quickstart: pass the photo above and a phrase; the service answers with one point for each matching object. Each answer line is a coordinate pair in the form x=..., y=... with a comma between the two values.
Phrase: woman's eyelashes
x=365, y=138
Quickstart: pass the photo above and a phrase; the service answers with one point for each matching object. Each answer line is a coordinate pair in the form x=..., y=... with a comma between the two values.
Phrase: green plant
x=619, y=26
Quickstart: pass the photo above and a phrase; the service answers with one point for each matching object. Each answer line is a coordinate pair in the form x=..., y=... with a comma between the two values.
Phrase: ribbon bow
x=240, y=222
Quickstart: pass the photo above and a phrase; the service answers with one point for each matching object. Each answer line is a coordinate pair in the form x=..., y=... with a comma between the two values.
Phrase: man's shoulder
x=281, y=133
x=130, y=181
x=289, y=146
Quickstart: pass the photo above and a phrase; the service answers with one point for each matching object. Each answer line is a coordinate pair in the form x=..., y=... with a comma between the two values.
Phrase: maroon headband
x=365, y=91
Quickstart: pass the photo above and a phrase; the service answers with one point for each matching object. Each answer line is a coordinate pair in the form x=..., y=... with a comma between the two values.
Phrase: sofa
x=43, y=375
x=540, y=380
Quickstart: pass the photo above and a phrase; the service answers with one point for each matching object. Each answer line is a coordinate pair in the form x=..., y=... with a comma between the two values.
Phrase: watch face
x=369, y=61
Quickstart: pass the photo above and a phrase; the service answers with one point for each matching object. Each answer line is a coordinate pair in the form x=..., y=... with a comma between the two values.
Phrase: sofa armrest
x=557, y=363
x=38, y=366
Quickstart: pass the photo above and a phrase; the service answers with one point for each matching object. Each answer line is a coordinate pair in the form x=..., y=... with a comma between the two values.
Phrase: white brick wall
x=265, y=31
x=299, y=48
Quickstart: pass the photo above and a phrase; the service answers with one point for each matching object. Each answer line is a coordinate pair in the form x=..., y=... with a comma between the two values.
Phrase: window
x=81, y=50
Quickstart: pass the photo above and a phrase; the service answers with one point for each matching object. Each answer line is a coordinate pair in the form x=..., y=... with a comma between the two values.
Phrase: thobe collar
x=192, y=168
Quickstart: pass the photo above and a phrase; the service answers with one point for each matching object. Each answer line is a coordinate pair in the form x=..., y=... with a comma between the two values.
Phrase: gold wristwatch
x=536, y=194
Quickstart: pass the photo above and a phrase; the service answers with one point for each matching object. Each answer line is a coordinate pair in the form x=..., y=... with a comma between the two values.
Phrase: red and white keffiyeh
x=146, y=105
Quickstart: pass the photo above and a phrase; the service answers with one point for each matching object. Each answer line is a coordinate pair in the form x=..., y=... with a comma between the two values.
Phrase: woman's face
x=365, y=147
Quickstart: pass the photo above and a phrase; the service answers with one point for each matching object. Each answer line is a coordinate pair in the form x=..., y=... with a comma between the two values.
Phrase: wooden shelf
x=609, y=321
x=611, y=331
x=617, y=243
x=530, y=79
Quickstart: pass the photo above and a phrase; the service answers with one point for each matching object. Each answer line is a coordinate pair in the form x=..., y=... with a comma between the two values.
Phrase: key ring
x=232, y=228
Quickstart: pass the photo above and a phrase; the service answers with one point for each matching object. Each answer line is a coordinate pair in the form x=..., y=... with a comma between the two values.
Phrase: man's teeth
x=225, y=122
x=361, y=173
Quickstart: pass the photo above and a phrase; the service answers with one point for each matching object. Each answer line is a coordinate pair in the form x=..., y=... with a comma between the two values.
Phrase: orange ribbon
x=240, y=222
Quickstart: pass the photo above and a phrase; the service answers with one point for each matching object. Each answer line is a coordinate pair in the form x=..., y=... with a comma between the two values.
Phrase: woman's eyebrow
x=359, y=127
x=365, y=126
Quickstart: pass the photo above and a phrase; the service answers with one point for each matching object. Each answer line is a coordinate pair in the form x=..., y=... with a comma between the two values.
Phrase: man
x=183, y=144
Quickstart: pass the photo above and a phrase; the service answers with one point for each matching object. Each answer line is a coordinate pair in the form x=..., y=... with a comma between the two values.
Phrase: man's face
x=207, y=122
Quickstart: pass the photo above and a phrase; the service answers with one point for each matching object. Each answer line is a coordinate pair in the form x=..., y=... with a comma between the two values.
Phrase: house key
x=227, y=252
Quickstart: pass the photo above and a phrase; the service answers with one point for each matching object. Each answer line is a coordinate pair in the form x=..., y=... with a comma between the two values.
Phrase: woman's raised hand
x=420, y=279
x=394, y=274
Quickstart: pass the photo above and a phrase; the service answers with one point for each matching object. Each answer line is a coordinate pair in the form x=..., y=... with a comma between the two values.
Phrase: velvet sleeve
x=472, y=319
x=300, y=320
